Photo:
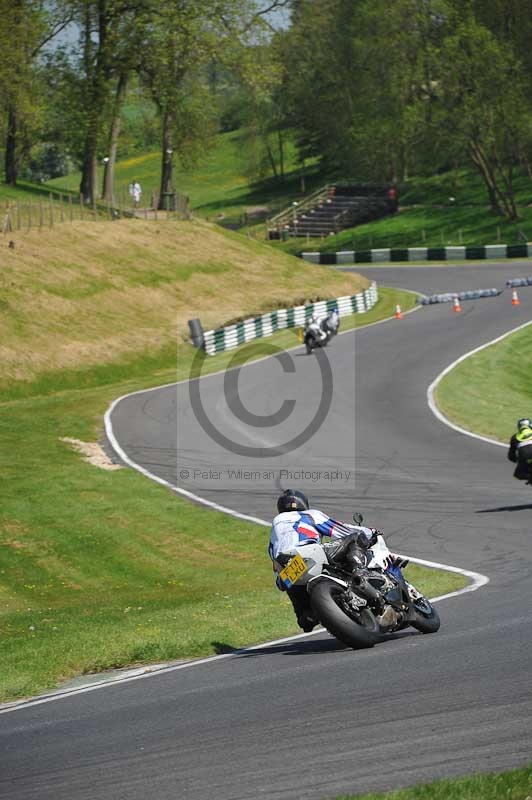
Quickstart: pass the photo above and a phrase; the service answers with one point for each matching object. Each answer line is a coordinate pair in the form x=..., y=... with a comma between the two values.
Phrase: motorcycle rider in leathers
x=331, y=322
x=296, y=524
x=520, y=450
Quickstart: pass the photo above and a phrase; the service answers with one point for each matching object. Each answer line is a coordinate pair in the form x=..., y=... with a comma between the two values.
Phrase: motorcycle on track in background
x=320, y=330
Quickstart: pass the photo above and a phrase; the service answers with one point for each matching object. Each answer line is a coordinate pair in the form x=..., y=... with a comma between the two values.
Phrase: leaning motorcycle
x=319, y=332
x=357, y=594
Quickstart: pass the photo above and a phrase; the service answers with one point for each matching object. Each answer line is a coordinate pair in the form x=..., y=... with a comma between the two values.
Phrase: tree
x=259, y=88
x=397, y=40
x=482, y=92
x=185, y=37
x=361, y=78
x=180, y=41
x=322, y=65
x=27, y=28
x=510, y=21
x=111, y=40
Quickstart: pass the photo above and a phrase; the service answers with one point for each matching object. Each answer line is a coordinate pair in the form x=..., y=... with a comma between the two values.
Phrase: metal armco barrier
x=231, y=336
x=386, y=254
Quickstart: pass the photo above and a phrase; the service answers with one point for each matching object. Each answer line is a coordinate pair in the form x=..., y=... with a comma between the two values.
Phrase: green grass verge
x=102, y=569
x=514, y=784
x=471, y=397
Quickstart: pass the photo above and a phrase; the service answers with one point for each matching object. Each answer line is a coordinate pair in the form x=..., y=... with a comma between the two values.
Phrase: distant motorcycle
x=319, y=331
x=355, y=592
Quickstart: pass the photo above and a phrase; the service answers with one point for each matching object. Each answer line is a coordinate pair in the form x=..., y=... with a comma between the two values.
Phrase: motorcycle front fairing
x=315, y=330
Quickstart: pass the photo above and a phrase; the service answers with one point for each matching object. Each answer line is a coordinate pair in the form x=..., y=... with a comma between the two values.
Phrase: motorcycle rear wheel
x=357, y=629
x=425, y=618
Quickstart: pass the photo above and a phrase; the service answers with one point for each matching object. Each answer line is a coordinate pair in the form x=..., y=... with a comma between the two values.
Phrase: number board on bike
x=295, y=568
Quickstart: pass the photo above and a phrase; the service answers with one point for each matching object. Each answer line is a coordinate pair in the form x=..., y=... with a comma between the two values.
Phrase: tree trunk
x=167, y=164
x=95, y=58
x=270, y=155
x=508, y=195
x=89, y=173
x=116, y=123
x=281, y=153
x=10, y=155
x=480, y=162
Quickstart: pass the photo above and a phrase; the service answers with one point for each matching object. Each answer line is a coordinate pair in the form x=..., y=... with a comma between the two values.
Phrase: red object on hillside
x=392, y=199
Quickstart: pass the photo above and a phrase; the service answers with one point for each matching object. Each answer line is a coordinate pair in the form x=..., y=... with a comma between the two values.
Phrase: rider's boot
x=306, y=619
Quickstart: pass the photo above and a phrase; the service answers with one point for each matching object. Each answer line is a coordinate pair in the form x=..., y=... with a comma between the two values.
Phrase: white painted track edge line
x=177, y=489
x=148, y=672
x=432, y=388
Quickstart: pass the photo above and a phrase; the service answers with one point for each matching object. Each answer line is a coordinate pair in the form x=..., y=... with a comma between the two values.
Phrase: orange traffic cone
x=456, y=303
x=398, y=312
x=515, y=298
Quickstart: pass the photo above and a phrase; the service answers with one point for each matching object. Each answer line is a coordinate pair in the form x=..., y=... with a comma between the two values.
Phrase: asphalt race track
x=309, y=718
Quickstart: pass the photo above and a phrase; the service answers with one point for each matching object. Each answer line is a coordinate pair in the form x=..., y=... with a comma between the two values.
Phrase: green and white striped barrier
x=232, y=336
x=455, y=253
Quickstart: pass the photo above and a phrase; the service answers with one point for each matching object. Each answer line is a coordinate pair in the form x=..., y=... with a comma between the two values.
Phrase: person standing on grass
x=135, y=191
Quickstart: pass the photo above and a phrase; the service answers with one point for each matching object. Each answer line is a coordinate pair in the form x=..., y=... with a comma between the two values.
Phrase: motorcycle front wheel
x=310, y=344
x=355, y=628
x=425, y=617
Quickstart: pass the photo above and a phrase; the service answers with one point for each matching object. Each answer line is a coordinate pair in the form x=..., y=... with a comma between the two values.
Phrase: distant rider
x=520, y=450
x=331, y=322
x=317, y=323
x=296, y=524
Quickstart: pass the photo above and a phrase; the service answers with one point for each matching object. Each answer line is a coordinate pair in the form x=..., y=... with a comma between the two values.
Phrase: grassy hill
x=101, y=293
x=437, y=211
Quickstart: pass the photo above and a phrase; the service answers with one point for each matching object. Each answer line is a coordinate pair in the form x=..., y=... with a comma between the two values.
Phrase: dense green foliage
x=372, y=90
x=68, y=65
x=412, y=87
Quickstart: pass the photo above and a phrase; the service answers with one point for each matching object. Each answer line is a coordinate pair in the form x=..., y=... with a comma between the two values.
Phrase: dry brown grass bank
x=95, y=292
